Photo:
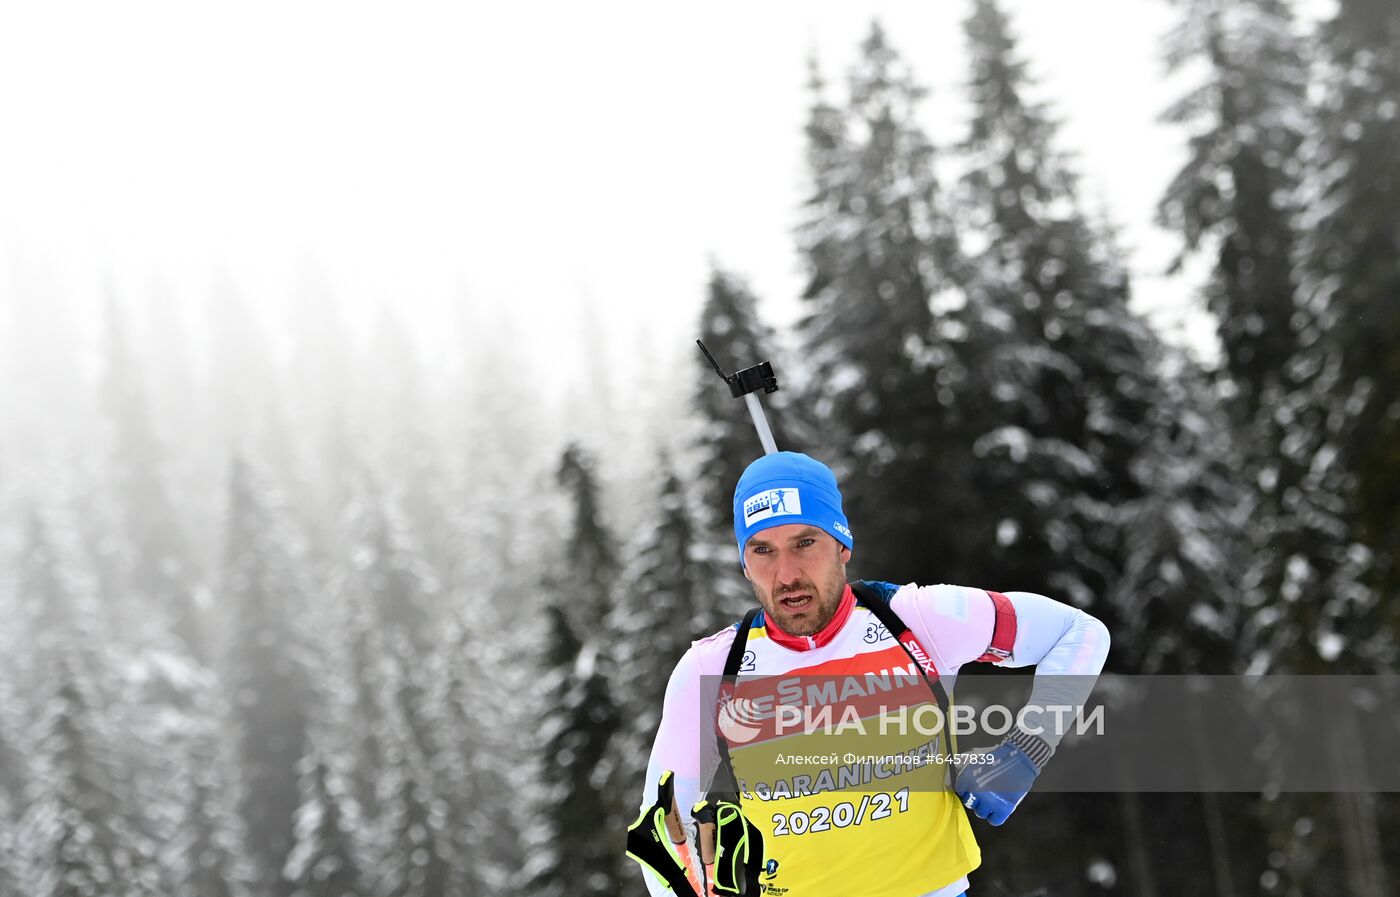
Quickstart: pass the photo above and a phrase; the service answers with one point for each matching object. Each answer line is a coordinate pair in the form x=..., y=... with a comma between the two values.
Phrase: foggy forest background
x=289, y=609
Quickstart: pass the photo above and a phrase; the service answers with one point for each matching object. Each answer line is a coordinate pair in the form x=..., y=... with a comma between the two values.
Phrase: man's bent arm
x=1068, y=648
x=1066, y=645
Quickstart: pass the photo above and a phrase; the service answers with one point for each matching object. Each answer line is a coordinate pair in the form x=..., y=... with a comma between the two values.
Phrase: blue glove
x=1011, y=771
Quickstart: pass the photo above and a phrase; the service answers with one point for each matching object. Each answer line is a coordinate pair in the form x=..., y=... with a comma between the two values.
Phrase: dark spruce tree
x=1235, y=195
x=590, y=563
x=577, y=768
x=266, y=670
x=80, y=832
x=1294, y=431
x=1339, y=588
x=1081, y=452
x=1353, y=261
x=12, y=775
x=581, y=716
x=664, y=602
x=398, y=731
x=414, y=858
x=1090, y=423
x=480, y=771
x=169, y=710
x=1183, y=540
x=173, y=714
x=9, y=860
x=400, y=594
x=1065, y=368
x=361, y=692
x=327, y=859
x=332, y=850
x=77, y=827
x=1238, y=194
x=886, y=376
x=206, y=854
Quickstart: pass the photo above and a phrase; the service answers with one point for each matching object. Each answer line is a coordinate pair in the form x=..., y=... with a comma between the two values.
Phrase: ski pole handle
x=705, y=830
x=674, y=830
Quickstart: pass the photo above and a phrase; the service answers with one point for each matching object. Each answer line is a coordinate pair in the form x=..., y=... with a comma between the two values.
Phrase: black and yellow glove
x=652, y=840
x=733, y=844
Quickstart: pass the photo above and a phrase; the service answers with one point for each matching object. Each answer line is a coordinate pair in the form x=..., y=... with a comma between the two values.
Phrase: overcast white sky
x=529, y=155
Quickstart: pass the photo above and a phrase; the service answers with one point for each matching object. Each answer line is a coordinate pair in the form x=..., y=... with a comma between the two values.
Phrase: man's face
x=798, y=573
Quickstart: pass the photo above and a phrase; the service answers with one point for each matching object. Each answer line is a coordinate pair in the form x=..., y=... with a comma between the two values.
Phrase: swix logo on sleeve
x=916, y=651
x=771, y=503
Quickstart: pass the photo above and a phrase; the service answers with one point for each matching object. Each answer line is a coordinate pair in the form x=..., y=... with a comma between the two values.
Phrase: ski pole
x=657, y=842
x=745, y=384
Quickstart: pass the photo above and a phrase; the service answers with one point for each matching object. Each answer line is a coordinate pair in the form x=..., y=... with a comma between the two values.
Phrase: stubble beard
x=827, y=595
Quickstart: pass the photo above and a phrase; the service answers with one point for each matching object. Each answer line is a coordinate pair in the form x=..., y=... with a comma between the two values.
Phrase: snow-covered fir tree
x=1109, y=487
x=1065, y=369
x=1335, y=484
x=414, y=845
x=1235, y=195
x=878, y=249
x=577, y=768
x=81, y=831
x=399, y=657
x=664, y=600
x=590, y=566
x=204, y=846
x=490, y=698
x=1352, y=258
x=12, y=775
x=9, y=860
x=383, y=660
x=360, y=693
x=265, y=669
x=326, y=859
x=581, y=716
x=385, y=563
x=166, y=701
x=483, y=769
x=1183, y=539
x=1183, y=542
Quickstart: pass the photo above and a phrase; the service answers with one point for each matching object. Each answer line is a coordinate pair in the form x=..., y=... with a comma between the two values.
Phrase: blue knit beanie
x=788, y=487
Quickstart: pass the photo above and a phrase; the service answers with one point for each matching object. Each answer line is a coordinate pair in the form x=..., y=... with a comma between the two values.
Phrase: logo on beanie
x=841, y=528
x=770, y=504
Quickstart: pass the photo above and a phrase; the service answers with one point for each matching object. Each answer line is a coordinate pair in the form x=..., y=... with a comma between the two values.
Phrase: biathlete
x=821, y=835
